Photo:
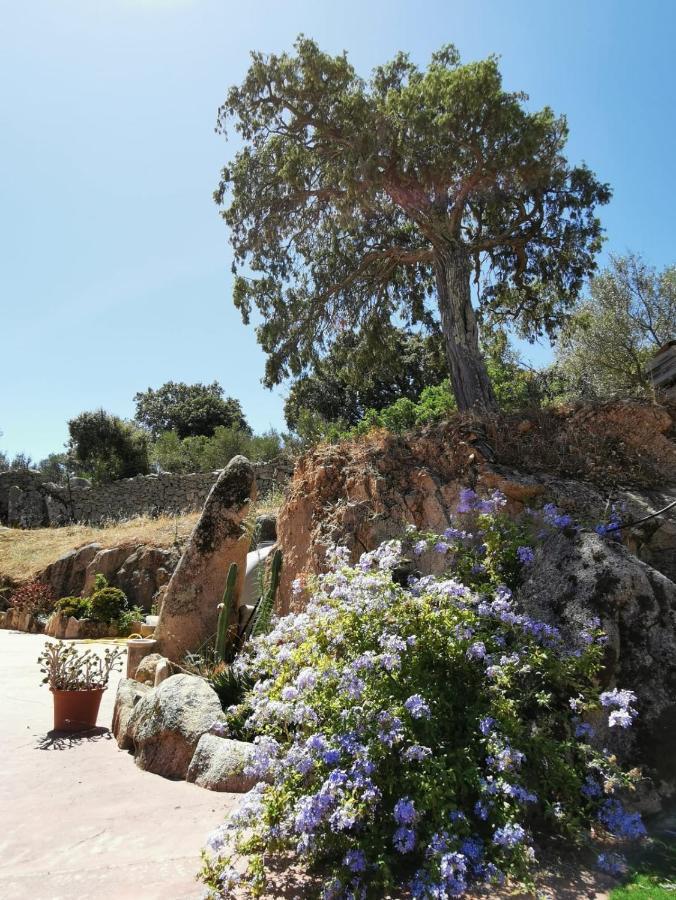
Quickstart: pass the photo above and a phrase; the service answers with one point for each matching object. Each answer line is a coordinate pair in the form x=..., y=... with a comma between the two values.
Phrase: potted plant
x=77, y=679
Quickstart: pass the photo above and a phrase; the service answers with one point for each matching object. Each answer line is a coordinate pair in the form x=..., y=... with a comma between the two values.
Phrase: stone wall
x=27, y=500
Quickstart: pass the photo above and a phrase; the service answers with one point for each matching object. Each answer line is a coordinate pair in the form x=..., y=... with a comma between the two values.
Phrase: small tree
x=106, y=447
x=352, y=204
x=188, y=409
x=629, y=315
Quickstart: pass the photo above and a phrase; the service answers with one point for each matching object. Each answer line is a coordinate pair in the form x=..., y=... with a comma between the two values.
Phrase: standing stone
x=190, y=609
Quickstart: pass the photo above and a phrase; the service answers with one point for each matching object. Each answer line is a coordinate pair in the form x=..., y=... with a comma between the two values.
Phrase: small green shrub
x=100, y=582
x=128, y=619
x=108, y=604
x=77, y=607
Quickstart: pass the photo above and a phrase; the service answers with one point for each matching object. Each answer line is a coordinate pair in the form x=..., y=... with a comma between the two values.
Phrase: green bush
x=108, y=604
x=77, y=607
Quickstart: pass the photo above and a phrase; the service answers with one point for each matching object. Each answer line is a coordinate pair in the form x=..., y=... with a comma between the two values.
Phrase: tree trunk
x=469, y=376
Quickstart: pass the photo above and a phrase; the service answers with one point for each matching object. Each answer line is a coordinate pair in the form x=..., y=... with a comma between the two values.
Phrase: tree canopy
x=188, y=409
x=106, y=447
x=353, y=204
x=629, y=314
x=352, y=377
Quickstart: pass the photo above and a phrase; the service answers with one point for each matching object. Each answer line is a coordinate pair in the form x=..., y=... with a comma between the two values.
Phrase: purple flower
x=404, y=839
x=619, y=822
x=509, y=835
x=525, y=555
x=612, y=863
x=620, y=717
x=441, y=547
x=417, y=707
x=485, y=724
x=404, y=811
x=419, y=548
x=416, y=753
x=355, y=860
x=583, y=730
x=477, y=650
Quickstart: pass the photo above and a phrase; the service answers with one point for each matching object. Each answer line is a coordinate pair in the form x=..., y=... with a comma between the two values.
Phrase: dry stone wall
x=27, y=500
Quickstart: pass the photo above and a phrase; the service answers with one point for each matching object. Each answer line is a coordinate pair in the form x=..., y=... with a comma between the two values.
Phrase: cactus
x=263, y=614
x=225, y=612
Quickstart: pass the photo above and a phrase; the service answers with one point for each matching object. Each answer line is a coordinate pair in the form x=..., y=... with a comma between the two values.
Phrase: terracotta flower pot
x=76, y=710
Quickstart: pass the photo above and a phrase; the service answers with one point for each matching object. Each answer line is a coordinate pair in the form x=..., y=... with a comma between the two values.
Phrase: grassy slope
x=24, y=553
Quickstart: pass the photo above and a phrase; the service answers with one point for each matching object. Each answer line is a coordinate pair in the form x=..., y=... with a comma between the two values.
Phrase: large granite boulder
x=66, y=576
x=167, y=723
x=218, y=765
x=129, y=692
x=189, y=613
x=576, y=577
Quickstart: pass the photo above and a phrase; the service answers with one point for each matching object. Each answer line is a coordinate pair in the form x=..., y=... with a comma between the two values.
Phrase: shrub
x=107, y=604
x=403, y=727
x=78, y=607
x=128, y=618
x=34, y=598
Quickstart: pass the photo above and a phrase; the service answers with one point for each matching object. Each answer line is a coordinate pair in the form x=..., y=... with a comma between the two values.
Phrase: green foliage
x=16, y=463
x=107, y=448
x=228, y=684
x=100, y=581
x=77, y=607
x=629, y=315
x=55, y=467
x=188, y=409
x=128, y=618
x=353, y=204
x=652, y=873
x=369, y=370
x=107, y=604
x=206, y=454
x=226, y=613
x=263, y=616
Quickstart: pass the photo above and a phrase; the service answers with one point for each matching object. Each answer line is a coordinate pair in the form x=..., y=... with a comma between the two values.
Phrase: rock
x=163, y=670
x=88, y=629
x=106, y=563
x=266, y=529
x=3, y=616
x=56, y=625
x=575, y=579
x=218, y=765
x=144, y=572
x=145, y=672
x=129, y=692
x=190, y=609
x=167, y=723
x=66, y=576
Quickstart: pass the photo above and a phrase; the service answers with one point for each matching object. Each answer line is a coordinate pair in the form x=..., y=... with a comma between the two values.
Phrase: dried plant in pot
x=77, y=680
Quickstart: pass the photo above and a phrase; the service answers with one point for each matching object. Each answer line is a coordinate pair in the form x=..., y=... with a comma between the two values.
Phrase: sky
x=114, y=262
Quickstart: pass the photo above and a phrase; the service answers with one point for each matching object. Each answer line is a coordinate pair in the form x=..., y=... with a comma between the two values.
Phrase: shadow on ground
x=64, y=740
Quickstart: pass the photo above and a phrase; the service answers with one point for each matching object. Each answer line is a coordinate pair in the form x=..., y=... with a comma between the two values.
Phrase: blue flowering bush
x=419, y=730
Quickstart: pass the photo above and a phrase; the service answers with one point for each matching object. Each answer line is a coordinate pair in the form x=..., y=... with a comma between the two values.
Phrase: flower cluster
x=399, y=731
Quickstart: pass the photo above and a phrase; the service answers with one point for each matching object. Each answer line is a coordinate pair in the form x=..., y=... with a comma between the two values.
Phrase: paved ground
x=78, y=820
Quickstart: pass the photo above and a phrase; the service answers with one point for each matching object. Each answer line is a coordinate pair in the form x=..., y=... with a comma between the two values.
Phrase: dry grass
x=23, y=553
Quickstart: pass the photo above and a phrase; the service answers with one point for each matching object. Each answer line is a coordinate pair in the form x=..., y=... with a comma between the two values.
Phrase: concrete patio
x=77, y=818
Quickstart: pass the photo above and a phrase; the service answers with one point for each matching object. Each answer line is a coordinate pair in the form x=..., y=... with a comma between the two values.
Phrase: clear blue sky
x=114, y=264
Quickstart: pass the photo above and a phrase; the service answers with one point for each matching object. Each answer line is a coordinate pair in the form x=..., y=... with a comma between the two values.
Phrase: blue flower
x=613, y=863
x=619, y=822
x=509, y=835
x=525, y=555
x=477, y=650
x=355, y=860
x=404, y=811
x=404, y=839
x=417, y=707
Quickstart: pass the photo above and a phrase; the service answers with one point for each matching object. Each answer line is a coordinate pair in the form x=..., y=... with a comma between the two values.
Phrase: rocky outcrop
x=189, y=611
x=139, y=570
x=145, y=671
x=129, y=692
x=575, y=578
x=218, y=764
x=167, y=723
x=363, y=492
